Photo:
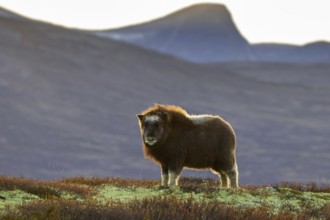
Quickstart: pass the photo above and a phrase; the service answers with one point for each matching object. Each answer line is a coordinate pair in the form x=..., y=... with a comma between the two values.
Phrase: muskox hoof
x=173, y=187
x=163, y=187
x=234, y=188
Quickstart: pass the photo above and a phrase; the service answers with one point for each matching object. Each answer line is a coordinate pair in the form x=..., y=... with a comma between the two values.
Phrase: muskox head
x=154, y=128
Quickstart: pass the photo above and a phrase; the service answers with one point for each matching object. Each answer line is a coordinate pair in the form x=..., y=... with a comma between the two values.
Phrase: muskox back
x=175, y=139
x=211, y=141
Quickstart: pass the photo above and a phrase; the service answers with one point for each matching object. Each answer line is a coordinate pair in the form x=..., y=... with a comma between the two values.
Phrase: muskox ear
x=140, y=117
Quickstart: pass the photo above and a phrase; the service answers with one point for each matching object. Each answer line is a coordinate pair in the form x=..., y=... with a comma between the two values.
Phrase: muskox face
x=152, y=129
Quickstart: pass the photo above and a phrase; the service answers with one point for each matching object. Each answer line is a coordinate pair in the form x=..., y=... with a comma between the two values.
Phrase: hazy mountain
x=9, y=14
x=206, y=33
x=68, y=102
x=200, y=33
x=313, y=52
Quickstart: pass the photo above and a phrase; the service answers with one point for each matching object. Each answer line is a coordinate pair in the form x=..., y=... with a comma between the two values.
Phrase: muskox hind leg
x=233, y=176
x=223, y=178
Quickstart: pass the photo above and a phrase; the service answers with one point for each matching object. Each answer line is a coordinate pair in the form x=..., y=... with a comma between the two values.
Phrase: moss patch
x=30, y=196
x=108, y=192
x=13, y=198
x=275, y=199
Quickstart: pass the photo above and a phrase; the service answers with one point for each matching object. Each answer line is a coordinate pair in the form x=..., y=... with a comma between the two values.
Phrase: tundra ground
x=117, y=198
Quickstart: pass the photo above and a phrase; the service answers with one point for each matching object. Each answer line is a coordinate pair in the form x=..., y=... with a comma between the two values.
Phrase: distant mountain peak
x=207, y=33
x=201, y=33
x=205, y=14
x=318, y=43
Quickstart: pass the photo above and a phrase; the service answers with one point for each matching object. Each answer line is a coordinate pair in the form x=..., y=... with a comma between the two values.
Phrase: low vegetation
x=117, y=198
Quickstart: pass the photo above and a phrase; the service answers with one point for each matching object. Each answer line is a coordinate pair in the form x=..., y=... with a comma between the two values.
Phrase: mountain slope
x=206, y=33
x=68, y=105
x=9, y=14
x=201, y=33
x=313, y=52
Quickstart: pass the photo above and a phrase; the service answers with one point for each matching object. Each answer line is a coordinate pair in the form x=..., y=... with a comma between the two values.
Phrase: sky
x=260, y=21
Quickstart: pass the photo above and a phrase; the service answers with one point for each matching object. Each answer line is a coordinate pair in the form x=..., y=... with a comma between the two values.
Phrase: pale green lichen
x=275, y=199
x=108, y=192
x=71, y=196
x=240, y=198
x=13, y=198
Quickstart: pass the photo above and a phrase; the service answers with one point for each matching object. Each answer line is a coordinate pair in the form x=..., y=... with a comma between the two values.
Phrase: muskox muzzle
x=150, y=140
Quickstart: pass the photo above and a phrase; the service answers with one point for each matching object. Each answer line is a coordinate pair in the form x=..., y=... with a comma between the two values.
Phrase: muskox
x=176, y=140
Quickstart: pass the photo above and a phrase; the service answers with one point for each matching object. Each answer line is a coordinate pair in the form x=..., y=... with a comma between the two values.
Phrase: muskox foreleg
x=174, y=175
x=164, y=175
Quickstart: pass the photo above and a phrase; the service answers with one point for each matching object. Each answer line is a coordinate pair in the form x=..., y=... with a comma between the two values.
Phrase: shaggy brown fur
x=180, y=140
